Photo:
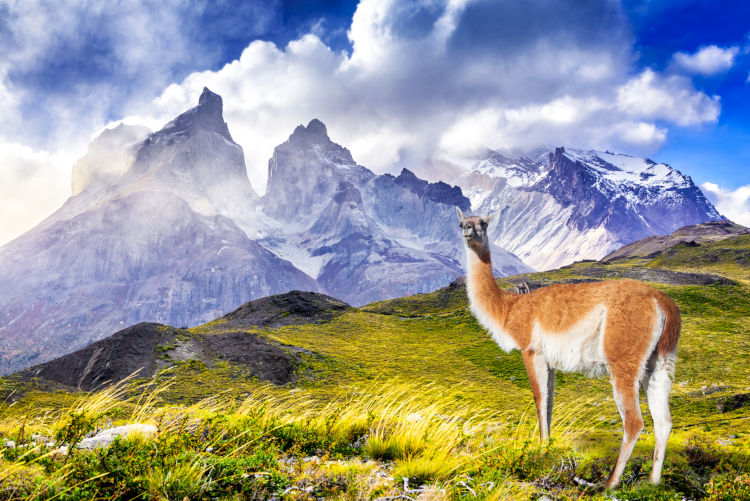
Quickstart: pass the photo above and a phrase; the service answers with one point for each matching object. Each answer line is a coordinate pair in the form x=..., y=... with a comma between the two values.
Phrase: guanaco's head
x=474, y=229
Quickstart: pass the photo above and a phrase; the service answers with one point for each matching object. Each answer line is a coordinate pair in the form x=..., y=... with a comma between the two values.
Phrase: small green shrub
x=729, y=487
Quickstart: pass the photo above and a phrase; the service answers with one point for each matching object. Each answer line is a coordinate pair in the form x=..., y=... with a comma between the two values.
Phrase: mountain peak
x=410, y=181
x=207, y=116
x=209, y=98
x=317, y=127
x=315, y=132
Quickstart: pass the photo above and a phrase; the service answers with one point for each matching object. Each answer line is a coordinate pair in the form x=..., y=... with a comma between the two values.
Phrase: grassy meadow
x=401, y=399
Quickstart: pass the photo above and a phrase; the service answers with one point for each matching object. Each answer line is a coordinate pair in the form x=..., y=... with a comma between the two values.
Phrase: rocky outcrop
x=291, y=308
x=104, y=438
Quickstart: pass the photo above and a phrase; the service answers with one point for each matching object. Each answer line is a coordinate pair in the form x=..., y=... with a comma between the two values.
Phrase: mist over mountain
x=165, y=241
x=107, y=157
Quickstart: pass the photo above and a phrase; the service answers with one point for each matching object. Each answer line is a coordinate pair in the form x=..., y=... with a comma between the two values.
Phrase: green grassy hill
x=396, y=395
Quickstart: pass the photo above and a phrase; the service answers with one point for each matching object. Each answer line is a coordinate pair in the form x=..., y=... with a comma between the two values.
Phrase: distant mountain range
x=165, y=227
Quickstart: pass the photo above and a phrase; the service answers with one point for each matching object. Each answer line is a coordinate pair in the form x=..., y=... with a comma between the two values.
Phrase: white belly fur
x=579, y=349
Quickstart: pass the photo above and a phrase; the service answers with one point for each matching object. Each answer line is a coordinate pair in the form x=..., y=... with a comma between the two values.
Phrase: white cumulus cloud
x=31, y=188
x=456, y=75
x=734, y=204
x=707, y=60
x=671, y=98
x=422, y=76
x=82, y=61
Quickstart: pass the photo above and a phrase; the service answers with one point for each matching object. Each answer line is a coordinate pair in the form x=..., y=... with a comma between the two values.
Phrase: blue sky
x=718, y=152
x=400, y=83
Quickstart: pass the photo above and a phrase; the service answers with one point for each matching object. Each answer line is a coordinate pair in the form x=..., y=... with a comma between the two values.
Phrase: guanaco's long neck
x=484, y=294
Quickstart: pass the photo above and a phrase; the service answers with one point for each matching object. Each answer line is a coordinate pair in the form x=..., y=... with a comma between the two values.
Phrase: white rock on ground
x=105, y=437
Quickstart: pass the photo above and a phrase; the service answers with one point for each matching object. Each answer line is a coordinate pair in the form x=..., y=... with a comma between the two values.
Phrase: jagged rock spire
x=207, y=116
x=315, y=133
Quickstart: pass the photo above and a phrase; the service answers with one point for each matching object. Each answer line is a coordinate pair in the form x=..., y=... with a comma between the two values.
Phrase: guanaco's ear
x=461, y=216
x=490, y=218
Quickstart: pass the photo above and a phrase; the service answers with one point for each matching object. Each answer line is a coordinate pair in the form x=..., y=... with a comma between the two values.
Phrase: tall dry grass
x=425, y=433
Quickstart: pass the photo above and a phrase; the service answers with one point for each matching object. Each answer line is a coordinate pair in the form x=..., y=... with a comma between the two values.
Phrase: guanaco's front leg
x=542, y=382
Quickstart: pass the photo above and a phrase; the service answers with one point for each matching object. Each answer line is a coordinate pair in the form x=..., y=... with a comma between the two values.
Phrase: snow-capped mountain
x=565, y=205
x=165, y=227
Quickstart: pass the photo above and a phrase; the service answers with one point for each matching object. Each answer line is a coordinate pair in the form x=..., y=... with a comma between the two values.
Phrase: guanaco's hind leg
x=542, y=379
x=550, y=398
x=658, y=384
x=626, y=396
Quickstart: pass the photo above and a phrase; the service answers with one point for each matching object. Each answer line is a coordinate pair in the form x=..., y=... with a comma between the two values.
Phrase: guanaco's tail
x=667, y=344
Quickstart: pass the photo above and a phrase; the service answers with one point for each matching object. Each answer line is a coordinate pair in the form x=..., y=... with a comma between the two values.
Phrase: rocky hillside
x=145, y=349
x=693, y=235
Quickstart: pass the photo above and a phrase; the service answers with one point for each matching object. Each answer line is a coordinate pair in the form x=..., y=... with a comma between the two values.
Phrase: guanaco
x=620, y=327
